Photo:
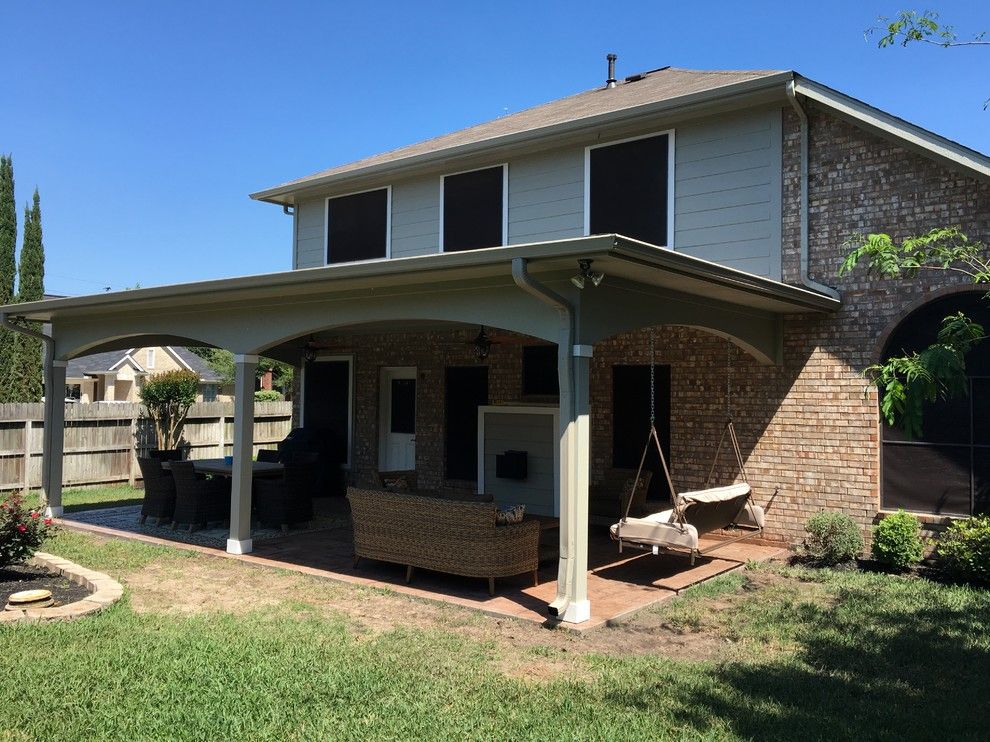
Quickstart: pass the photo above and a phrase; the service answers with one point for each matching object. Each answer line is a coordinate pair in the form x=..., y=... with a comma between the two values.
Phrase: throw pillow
x=396, y=484
x=508, y=514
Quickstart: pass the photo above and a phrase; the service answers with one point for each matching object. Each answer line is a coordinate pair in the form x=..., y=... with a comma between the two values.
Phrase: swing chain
x=652, y=378
x=728, y=380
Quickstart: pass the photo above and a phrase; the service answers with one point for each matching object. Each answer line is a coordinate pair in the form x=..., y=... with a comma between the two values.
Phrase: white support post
x=54, y=439
x=243, y=450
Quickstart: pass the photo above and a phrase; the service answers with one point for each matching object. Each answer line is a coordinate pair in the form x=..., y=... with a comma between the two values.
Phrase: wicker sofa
x=441, y=534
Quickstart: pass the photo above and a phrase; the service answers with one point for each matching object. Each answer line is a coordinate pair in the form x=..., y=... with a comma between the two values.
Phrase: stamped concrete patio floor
x=618, y=584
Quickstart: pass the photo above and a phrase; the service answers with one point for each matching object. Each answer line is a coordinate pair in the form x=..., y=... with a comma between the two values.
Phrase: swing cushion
x=658, y=529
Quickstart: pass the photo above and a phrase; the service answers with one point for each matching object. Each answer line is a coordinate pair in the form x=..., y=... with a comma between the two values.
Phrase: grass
x=814, y=655
x=91, y=498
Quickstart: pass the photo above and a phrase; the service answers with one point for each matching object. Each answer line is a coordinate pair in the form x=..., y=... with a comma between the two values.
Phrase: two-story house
x=508, y=287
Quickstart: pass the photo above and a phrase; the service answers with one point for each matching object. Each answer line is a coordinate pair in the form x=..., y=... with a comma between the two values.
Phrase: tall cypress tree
x=31, y=287
x=8, y=247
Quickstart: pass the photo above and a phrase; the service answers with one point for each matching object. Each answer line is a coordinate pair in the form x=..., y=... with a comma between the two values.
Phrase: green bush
x=963, y=551
x=267, y=395
x=897, y=540
x=22, y=531
x=833, y=538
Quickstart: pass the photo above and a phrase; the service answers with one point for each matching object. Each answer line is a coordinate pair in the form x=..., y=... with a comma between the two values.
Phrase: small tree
x=167, y=398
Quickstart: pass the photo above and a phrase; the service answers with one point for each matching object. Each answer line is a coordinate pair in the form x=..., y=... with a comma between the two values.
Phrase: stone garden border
x=106, y=592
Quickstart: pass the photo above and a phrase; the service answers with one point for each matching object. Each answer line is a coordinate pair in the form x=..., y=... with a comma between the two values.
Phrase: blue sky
x=146, y=125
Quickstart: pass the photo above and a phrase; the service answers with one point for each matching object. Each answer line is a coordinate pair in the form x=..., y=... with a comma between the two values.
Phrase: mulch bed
x=20, y=577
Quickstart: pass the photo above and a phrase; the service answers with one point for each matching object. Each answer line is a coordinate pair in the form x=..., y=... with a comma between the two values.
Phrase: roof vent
x=610, y=82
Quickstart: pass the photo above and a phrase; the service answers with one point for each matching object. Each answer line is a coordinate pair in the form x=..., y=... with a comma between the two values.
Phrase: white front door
x=397, y=419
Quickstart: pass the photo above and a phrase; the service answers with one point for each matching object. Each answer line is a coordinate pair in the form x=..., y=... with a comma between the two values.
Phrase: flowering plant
x=22, y=530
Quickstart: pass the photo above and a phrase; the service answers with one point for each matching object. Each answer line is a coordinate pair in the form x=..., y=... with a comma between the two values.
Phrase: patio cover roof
x=617, y=256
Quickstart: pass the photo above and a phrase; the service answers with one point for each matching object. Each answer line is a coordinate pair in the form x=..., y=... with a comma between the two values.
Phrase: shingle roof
x=101, y=363
x=654, y=86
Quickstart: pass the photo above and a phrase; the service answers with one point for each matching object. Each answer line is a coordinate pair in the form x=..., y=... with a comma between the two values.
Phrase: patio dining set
x=197, y=493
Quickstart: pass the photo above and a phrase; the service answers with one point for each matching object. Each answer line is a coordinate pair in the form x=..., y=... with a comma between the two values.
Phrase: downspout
x=806, y=279
x=527, y=283
x=49, y=343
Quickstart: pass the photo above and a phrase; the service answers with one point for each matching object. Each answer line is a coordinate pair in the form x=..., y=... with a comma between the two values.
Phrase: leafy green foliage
x=8, y=269
x=833, y=538
x=938, y=372
x=167, y=398
x=911, y=27
x=31, y=287
x=222, y=362
x=267, y=395
x=963, y=551
x=22, y=531
x=897, y=540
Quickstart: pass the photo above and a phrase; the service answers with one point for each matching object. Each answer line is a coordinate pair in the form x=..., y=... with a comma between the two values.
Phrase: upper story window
x=628, y=188
x=358, y=226
x=473, y=209
x=150, y=358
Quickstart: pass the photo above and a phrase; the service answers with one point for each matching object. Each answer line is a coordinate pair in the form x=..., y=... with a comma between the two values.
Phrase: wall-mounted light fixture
x=585, y=274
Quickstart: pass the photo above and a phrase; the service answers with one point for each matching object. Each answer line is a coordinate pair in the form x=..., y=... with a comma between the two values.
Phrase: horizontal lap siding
x=727, y=206
x=310, y=234
x=530, y=432
x=546, y=196
x=416, y=217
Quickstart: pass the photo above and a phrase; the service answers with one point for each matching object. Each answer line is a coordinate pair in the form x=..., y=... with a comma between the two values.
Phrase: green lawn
x=769, y=653
x=89, y=498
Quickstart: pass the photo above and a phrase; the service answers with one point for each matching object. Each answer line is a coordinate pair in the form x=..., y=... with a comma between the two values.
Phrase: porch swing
x=695, y=513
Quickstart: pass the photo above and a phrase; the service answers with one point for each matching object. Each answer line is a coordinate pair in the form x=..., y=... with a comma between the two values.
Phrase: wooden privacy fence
x=103, y=440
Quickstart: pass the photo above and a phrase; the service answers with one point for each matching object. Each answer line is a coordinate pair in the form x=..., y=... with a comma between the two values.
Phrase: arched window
x=947, y=470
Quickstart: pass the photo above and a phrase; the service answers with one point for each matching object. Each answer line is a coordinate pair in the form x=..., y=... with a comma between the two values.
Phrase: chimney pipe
x=610, y=82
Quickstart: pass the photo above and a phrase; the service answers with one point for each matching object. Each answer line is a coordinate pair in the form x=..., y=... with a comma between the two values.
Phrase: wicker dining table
x=220, y=467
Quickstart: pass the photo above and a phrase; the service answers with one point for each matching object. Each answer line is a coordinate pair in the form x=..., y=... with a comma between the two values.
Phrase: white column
x=53, y=441
x=572, y=603
x=240, y=490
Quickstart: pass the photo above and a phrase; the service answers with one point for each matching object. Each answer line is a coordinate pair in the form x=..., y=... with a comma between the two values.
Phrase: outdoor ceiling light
x=585, y=274
x=482, y=345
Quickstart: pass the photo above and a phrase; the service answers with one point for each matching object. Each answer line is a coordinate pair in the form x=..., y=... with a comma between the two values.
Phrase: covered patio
x=524, y=289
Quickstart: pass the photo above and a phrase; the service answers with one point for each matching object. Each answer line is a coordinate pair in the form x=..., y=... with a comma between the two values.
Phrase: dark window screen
x=540, y=376
x=466, y=389
x=404, y=406
x=327, y=403
x=357, y=226
x=946, y=470
x=629, y=189
x=472, y=210
x=631, y=422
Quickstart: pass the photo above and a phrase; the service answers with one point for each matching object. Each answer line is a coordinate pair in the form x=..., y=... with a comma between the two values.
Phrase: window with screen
x=473, y=209
x=540, y=376
x=947, y=469
x=627, y=185
x=357, y=226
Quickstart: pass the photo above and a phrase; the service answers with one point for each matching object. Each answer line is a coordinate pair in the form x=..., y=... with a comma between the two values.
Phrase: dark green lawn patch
x=91, y=498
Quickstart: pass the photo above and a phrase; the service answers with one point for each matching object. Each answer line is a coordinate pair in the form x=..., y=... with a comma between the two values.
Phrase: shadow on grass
x=79, y=507
x=868, y=667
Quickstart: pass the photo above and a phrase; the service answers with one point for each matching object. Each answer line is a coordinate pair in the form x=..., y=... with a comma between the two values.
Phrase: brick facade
x=808, y=426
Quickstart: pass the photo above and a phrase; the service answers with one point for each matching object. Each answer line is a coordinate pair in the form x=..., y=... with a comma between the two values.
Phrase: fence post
x=27, y=452
x=223, y=434
x=132, y=458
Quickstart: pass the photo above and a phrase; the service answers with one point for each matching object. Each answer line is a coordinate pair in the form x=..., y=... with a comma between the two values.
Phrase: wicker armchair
x=159, y=491
x=165, y=454
x=458, y=538
x=286, y=500
x=609, y=498
x=269, y=455
x=198, y=501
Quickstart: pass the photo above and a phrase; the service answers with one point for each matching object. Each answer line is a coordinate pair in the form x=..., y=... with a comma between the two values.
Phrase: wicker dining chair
x=198, y=501
x=286, y=500
x=268, y=455
x=159, y=491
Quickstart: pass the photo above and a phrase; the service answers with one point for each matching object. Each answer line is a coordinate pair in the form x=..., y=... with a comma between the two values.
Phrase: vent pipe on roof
x=610, y=82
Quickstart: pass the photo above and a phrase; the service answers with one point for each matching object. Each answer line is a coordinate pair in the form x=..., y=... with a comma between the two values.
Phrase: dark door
x=631, y=422
x=326, y=403
x=466, y=390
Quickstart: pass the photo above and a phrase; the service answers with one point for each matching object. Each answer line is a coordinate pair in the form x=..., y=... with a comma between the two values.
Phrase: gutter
x=806, y=279
x=531, y=286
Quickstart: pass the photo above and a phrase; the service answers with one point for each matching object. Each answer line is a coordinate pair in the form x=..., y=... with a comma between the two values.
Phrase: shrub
x=267, y=395
x=833, y=538
x=167, y=397
x=897, y=540
x=22, y=531
x=963, y=551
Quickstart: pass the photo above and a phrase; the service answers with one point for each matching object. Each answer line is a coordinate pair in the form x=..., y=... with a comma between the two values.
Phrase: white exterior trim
x=172, y=352
x=326, y=225
x=128, y=357
x=505, y=202
x=554, y=411
x=670, y=179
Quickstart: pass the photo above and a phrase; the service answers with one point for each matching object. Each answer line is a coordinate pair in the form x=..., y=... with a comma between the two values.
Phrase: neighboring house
x=117, y=375
x=715, y=203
